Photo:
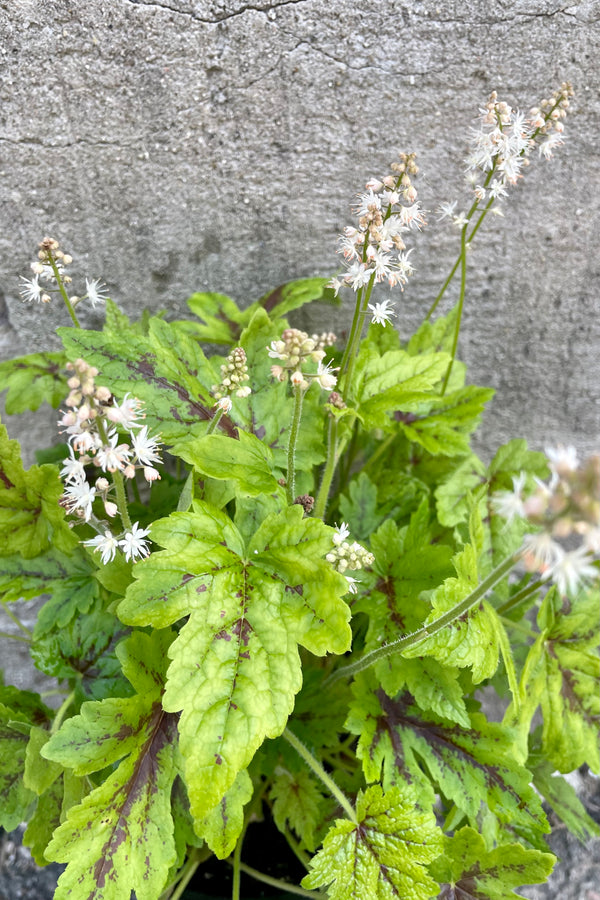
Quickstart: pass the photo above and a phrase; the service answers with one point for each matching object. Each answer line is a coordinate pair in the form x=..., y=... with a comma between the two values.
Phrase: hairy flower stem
x=294, y=429
x=333, y=454
x=520, y=597
x=320, y=772
x=237, y=861
x=409, y=640
x=283, y=886
x=212, y=425
x=461, y=301
x=63, y=292
x=353, y=345
x=61, y=713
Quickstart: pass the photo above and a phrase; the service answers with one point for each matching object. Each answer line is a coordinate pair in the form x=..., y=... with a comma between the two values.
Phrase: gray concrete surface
x=179, y=145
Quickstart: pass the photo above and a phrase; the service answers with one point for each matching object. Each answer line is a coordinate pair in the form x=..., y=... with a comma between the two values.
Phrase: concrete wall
x=180, y=145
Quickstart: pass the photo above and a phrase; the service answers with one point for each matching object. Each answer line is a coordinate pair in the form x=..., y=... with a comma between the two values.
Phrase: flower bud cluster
x=234, y=372
x=374, y=251
x=548, y=118
x=565, y=509
x=294, y=350
x=91, y=422
x=50, y=267
x=347, y=556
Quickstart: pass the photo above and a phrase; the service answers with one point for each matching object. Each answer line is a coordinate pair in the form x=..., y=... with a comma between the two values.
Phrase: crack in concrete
x=215, y=20
x=36, y=142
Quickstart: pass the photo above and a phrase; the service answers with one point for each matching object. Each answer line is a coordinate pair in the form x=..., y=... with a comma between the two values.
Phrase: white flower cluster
x=375, y=250
x=502, y=144
x=297, y=348
x=567, y=508
x=234, y=372
x=91, y=423
x=347, y=556
x=50, y=262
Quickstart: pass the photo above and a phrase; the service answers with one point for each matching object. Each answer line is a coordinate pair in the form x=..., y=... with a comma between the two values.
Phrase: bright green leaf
x=32, y=380
x=383, y=855
x=223, y=825
x=235, y=667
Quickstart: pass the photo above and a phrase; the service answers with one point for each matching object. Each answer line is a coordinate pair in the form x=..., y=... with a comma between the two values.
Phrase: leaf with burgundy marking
x=382, y=855
x=466, y=870
x=120, y=837
x=20, y=711
x=562, y=676
x=31, y=519
x=287, y=297
x=235, y=666
x=165, y=368
x=472, y=767
x=32, y=380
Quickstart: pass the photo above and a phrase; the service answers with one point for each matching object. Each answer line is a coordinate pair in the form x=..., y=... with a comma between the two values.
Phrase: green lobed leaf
x=443, y=425
x=294, y=294
x=84, y=650
x=561, y=796
x=247, y=461
x=32, y=380
x=467, y=870
x=383, y=855
x=31, y=518
x=120, y=837
x=435, y=336
x=19, y=712
x=360, y=509
x=297, y=804
x=223, y=825
x=221, y=320
x=470, y=640
x=562, y=676
x=394, y=381
x=66, y=578
x=472, y=767
x=165, y=368
x=235, y=667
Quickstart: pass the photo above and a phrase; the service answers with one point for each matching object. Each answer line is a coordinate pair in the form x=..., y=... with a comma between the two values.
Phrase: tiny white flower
x=342, y=532
x=541, y=552
x=112, y=456
x=126, y=413
x=571, y=569
x=31, y=289
x=325, y=376
x=95, y=291
x=352, y=584
x=562, y=459
x=80, y=495
x=145, y=448
x=446, y=210
x=382, y=312
x=509, y=504
x=106, y=544
x=73, y=468
x=133, y=543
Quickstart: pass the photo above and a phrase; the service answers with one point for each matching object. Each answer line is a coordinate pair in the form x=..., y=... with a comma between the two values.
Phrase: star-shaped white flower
x=382, y=312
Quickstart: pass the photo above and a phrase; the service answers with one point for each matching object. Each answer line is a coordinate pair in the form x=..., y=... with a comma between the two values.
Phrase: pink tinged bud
x=297, y=379
x=110, y=508
x=129, y=471
x=151, y=474
x=102, y=484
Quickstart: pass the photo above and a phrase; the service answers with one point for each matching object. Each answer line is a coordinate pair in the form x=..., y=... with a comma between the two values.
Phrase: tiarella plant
x=278, y=579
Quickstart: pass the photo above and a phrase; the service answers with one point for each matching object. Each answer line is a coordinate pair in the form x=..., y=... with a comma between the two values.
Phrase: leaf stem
x=320, y=772
x=522, y=595
x=121, y=499
x=185, y=876
x=237, y=862
x=277, y=883
x=409, y=640
x=291, y=456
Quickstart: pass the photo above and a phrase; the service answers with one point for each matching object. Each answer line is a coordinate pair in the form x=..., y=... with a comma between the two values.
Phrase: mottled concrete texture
x=178, y=145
